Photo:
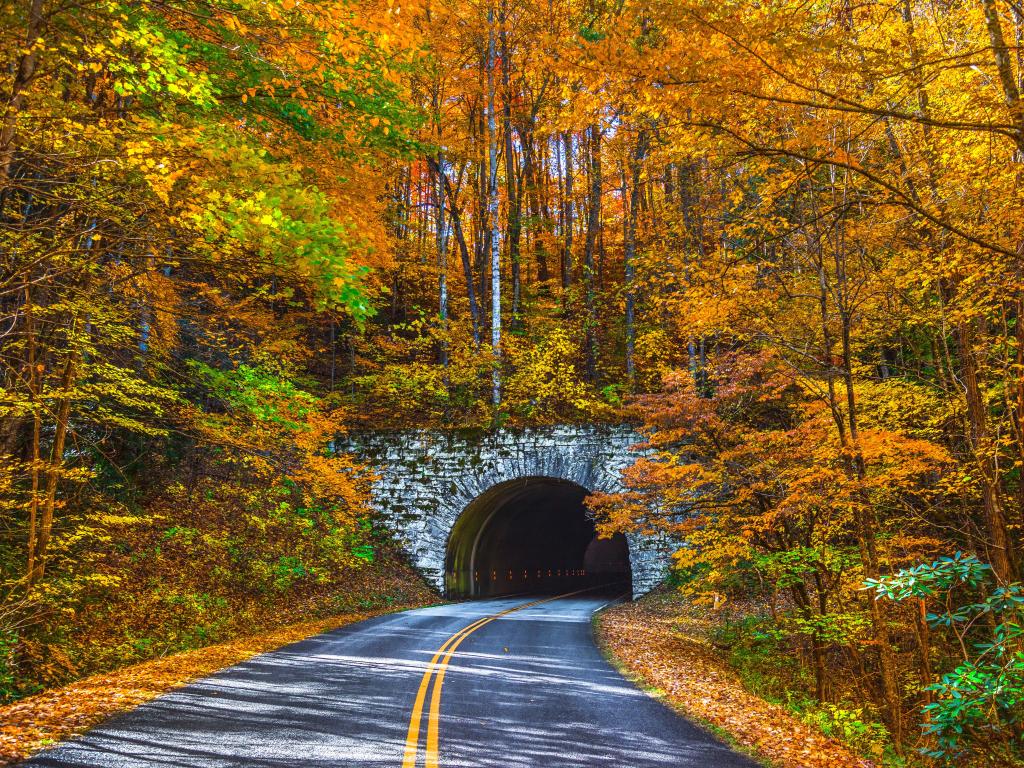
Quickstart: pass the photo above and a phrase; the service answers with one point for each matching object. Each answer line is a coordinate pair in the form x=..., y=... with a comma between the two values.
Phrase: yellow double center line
x=435, y=672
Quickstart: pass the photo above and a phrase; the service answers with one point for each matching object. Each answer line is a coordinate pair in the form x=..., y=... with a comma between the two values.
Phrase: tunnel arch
x=532, y=535
x=425, y=480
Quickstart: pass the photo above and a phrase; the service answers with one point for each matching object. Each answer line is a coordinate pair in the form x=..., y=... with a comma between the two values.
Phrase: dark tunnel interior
x=532, y=536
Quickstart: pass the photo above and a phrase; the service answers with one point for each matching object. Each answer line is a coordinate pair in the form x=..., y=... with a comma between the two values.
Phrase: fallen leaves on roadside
x=37, y=721
x=644, y=637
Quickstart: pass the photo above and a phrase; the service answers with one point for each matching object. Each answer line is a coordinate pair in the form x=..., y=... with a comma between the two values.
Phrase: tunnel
x=533, y=536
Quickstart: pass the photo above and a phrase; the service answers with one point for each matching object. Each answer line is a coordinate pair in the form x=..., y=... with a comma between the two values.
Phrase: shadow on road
x=528, y=690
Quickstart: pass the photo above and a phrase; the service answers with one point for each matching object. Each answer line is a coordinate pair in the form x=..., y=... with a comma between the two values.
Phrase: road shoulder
x=639, y=638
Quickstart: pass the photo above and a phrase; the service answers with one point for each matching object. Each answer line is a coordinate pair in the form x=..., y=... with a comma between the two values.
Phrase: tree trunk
x=467, y=266
x=514, y=191
x=533, y=196
x=631, y=192
x=567, y=214
x=442, y=256
x=27, y=65
x=593, y=225
x=34, y=391
x=864, y=513
x=56, y=462
x=492, y=213
x=1001, y=553
x=1004, y=66
x=481, y=226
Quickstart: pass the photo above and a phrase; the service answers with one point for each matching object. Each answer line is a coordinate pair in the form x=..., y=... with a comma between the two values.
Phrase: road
x=506, y=683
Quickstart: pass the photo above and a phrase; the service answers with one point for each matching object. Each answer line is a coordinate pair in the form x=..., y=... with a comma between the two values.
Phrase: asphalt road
x=528, y=688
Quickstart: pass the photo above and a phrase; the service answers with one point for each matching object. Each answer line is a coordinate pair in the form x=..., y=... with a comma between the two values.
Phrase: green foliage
x=759, y=652
x=257, y=392
x=148, y=61
x=933, y=579
x=612, y=394
x=8, y=673
x=287, y=570
x=363, y=552
x=979, y=705
x=850, y=726
x=792, y=566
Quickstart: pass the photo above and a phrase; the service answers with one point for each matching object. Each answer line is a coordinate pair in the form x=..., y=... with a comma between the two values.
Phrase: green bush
x=979, y=705
x=286, y=571
x=850, y=726
x=759, y=652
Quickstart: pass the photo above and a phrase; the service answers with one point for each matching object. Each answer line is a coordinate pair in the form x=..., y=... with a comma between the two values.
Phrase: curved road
x=505, y=683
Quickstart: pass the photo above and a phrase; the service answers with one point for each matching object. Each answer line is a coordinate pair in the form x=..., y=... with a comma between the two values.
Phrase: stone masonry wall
x=428, y=479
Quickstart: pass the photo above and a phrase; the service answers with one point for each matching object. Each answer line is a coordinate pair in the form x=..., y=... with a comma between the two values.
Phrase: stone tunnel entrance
x=532, y=535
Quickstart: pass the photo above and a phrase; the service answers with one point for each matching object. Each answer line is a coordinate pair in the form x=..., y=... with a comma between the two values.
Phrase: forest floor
x=37, y=721
x=665, y=648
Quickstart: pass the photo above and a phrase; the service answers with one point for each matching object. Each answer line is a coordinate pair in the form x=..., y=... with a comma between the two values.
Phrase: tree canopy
x=784, y=239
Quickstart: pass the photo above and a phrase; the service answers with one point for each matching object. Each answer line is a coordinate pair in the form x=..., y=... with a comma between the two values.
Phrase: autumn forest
x=783, y=239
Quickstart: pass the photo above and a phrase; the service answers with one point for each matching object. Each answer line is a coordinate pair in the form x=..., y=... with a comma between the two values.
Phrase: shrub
x=979, y=705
